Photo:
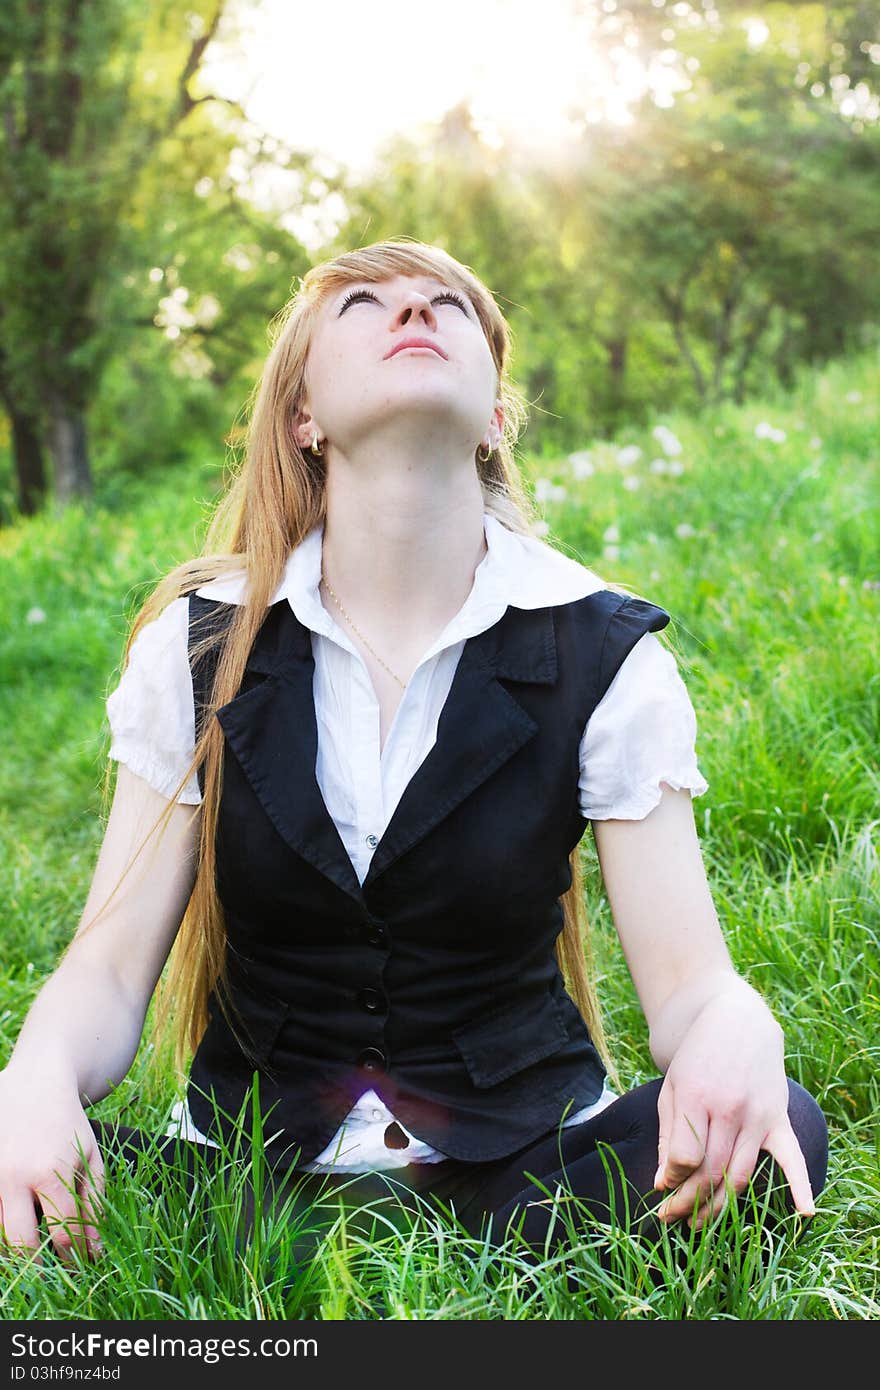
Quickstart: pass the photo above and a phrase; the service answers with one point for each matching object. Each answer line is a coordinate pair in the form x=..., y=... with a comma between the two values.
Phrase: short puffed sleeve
x=642, y=732
x=151, y=714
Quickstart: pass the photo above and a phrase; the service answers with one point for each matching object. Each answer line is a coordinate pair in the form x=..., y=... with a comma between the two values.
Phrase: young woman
x=360, y=739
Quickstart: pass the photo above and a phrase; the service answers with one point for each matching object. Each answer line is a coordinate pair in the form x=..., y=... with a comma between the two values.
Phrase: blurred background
x=676, y=204
x=677, y=207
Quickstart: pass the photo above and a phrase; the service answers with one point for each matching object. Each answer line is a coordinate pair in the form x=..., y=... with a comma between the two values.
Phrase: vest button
x=377, y=933
x=371, y=999
x=372, y=1059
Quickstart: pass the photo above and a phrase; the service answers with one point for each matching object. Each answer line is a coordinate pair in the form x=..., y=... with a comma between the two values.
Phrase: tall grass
x=765, y=551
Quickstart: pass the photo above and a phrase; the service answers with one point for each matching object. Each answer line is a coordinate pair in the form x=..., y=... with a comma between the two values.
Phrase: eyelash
x=368, y=294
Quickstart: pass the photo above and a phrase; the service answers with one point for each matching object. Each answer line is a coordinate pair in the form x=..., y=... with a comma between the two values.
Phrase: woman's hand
x=723, y=1101
x=725, y=1096
x=40, y=1125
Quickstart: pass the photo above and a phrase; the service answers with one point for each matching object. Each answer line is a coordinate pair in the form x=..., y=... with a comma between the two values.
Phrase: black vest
x=435, y=983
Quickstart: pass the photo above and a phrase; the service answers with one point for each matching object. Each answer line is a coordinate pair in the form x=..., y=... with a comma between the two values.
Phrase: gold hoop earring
x=313, y=449
x=488, y=454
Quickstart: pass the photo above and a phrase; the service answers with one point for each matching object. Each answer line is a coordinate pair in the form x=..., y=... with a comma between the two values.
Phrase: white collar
x=518, y=570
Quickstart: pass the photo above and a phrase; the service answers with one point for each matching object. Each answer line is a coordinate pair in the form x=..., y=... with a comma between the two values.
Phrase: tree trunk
x=614, y=404
x=67, y=443
x=27, y=451
x=30, y=472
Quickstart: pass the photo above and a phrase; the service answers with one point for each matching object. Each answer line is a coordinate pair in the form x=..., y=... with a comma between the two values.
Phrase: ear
x=304, y=427
x=496, y=428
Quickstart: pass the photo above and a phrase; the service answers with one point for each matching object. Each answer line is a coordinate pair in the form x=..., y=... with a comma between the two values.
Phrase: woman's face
x=362, y=385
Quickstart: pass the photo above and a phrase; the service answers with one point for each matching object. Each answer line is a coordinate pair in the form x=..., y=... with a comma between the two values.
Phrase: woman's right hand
x=41, y=1168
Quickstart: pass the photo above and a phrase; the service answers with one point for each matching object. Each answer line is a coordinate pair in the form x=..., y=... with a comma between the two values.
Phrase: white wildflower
x=611, y=533
x=207, y=310
x=581, y=463
x=675, y=468
x=654, y=576
x=540, y=528
x=543, y=489
x=632, y=484
x=611, y=552
x=669, y=442
x=843, y=580
x=765, y=430
x=815, y=442
x=190, y=361
x=651, y=537
x=658, y=466
x=684, y=530
x=853, y=397
x=35, y=615
x=628, y=455
x=558, y=493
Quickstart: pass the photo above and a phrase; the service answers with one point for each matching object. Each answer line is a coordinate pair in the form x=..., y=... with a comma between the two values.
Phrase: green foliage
x=764, y=549
x=692, y=257
x=676, y=262
x=105, y=154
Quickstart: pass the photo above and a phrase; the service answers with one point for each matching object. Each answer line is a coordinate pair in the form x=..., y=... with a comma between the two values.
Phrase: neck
x=399, y=550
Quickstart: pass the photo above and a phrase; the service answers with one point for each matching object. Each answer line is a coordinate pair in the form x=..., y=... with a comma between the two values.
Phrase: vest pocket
x=497, y=1045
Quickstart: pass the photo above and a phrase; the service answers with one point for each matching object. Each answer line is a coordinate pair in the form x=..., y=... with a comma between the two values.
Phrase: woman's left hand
x=724, y=1100
x=725, y=1096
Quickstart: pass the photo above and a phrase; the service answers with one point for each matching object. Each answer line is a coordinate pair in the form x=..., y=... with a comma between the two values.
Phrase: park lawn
x=755, y=526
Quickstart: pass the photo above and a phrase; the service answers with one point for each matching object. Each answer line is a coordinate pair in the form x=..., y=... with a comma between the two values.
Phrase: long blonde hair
x=271, y=503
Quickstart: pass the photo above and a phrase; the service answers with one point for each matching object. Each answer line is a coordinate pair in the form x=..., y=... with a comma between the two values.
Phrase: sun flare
x=340, y=80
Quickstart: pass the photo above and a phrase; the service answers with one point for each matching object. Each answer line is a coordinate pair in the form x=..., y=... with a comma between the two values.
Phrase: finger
x=698, y=1190
x=738, y=1170
x=62, y=1221
x=91, y=1184
x=665, y=1111
x=19, y=1231
x=73, y=1201
x=742, y=1163
x=684, y=1200
x=708, y=1211
x=782, y=1145
x=90, y=1193
x=687, y=1144
x=713, y=1179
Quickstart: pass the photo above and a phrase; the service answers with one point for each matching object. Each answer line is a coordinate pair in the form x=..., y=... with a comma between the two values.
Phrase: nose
x=415, y=307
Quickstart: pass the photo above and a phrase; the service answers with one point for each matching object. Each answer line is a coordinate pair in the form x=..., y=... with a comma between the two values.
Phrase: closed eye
x=357, y=294
x=447, y=295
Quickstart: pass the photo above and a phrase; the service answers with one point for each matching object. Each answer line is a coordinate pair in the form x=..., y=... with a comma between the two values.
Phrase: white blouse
x=641, y=733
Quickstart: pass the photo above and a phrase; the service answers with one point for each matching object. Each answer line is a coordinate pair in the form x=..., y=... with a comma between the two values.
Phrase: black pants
x=608, y=1163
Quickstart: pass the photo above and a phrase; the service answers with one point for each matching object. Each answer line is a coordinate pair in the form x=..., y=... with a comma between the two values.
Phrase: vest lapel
x=272, y=731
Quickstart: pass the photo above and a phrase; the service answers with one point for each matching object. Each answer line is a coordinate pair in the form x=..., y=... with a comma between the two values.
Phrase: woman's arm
x=725, y=1094
x=82, y=1031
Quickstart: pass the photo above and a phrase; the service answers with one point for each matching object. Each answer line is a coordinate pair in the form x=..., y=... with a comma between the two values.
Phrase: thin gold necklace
x=401, y=683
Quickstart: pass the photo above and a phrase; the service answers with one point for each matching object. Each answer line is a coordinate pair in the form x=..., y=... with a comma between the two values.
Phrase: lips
x=416, y=343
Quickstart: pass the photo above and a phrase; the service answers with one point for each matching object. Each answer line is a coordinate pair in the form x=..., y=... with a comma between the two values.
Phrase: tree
x=80, y=121
x=676, y=260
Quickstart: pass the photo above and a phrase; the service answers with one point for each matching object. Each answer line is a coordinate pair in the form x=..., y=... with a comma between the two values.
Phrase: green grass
x=774, y=586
